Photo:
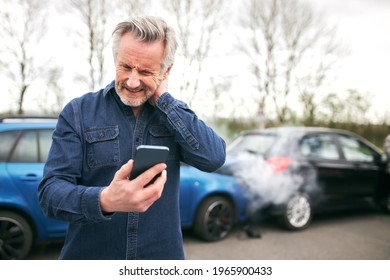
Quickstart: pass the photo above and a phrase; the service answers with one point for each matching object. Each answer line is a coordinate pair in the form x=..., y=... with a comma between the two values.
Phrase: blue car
x=210, y=203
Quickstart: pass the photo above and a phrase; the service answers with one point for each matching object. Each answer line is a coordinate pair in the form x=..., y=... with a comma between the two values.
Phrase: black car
x=296, y=171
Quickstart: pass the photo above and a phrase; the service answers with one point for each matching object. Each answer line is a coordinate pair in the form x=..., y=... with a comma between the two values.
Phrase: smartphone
x=146, y=156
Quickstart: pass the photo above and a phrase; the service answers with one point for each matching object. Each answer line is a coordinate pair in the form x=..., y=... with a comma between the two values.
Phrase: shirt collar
x=108, y=88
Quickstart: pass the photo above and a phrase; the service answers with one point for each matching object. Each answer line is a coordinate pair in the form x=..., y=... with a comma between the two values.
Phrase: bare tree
x=21, y=36
x=219, y=87
x=281, y=36
x=94, y=15
x=261, y=22
x=198, y=26
x=54, y=97
x=134, y=7
x=308, y=85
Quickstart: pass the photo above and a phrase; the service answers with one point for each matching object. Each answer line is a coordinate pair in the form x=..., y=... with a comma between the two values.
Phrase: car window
x=44, y=144
x=259, y=143
x=354, y=150
x=7, y=140
x=26, y=149
x=319, y=146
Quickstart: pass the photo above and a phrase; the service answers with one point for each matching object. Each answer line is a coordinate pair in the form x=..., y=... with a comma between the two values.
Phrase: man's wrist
x=104, y=203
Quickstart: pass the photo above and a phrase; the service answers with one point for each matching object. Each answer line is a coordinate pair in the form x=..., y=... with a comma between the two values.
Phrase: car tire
x=16, y=237
x=297, y=212
x=214, y=219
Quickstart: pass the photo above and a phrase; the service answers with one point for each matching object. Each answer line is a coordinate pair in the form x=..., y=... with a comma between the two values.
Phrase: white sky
x=363, y=25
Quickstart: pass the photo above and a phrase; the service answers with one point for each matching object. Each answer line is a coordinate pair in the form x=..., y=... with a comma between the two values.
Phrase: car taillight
x=279, y=164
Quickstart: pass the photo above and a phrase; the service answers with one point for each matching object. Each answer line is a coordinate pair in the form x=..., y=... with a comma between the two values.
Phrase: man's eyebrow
x=145, y=69
x=125, y=64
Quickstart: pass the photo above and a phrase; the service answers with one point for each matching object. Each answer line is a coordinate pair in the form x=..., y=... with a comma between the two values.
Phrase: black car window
x=354, y=150
x=44, y=143
x=319, y=146
x=26, y=149
x=256, y=143
x=7, y=140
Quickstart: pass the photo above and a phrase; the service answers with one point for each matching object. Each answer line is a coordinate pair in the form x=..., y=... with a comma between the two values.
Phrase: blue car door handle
x=29, y=177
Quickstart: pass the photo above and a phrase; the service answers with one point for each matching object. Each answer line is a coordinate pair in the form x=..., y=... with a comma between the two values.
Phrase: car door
x=25, y=167
x=186, y=189
x=7, y=187
x=363, y=166
x=321, y=152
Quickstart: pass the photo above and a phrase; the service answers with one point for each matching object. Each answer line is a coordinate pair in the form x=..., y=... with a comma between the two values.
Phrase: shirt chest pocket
x=161, y=136
x=102, y=146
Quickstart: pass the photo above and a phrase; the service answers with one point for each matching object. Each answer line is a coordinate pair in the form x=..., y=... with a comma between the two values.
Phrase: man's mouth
x=133, y=90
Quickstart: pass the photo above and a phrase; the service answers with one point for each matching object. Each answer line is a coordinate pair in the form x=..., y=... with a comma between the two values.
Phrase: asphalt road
x=360, y=234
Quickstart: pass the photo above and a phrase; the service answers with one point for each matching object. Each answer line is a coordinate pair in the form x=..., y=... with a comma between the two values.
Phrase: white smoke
x=263, y=185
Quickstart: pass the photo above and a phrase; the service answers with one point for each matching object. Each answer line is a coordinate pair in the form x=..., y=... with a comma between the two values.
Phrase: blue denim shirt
x=95, y=135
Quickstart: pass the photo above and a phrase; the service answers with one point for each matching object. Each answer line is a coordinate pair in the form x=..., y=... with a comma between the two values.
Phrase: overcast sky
x=364, y=25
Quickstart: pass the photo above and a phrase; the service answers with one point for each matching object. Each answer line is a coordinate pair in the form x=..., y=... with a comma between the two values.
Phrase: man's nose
x=133, y=80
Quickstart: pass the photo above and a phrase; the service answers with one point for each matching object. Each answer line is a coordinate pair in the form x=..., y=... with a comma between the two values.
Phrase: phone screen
x=147, y=156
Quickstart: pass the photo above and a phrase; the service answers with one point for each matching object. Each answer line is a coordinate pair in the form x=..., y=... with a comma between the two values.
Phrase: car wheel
x=297, y=212
x=16, y=236
x=214, y=219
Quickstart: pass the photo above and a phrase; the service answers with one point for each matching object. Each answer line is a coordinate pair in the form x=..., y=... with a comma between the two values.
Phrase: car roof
x=26, y=122
x=300, y=130
x=296, y=130
x=293, y=128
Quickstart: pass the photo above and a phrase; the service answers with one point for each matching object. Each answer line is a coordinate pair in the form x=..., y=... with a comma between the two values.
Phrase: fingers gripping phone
x=146, y=156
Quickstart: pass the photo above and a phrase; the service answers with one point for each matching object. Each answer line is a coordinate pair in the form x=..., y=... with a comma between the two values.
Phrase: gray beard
x=135, y=103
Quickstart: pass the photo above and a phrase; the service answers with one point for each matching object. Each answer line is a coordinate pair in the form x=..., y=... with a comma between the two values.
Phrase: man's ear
x=167, y=72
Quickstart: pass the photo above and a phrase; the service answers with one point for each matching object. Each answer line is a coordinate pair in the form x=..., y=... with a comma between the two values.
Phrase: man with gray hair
x=86, y=177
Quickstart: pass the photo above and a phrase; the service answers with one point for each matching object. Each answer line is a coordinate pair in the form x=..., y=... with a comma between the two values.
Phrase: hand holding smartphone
x=146, y=156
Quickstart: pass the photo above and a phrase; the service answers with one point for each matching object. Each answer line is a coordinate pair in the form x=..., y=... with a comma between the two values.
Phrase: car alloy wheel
x=297, y=214
x=214, y=219
x=15, y=236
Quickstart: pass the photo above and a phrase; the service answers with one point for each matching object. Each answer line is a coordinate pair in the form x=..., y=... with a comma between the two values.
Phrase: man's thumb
x=125, y=170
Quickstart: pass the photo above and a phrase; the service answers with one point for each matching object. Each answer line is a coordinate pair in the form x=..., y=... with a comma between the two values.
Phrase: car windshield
x=254, y=143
